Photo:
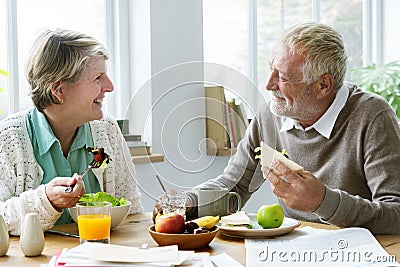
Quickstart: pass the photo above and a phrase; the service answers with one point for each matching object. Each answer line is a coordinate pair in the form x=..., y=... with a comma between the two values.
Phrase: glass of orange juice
x=94, y=221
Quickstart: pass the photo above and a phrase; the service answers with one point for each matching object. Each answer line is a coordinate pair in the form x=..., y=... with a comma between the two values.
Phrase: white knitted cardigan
x=21, y=191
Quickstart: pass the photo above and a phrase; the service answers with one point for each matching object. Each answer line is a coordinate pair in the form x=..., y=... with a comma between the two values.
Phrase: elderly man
x=347, y=140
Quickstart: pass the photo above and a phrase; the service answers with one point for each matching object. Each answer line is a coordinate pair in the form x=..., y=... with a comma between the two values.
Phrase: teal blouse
x=49, y=155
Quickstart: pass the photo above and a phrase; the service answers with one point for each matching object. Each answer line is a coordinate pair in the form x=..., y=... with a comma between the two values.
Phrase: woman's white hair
x=59, y=55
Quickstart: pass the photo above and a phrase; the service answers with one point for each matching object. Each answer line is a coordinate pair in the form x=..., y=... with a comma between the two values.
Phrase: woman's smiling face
x=83, y=99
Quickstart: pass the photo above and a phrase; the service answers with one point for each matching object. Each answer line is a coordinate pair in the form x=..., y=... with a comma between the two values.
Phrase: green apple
x=270, y=216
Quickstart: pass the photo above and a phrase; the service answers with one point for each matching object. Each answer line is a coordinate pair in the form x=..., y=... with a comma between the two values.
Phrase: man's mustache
x=277, y=94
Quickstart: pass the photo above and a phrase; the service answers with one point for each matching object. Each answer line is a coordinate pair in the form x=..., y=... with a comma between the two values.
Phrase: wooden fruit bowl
x=184, y=241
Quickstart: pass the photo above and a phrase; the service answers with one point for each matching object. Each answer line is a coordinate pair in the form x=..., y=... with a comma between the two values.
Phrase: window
x=225, y=33
x=346, y=17
x=272, y=18
x=35, y=16
x=3, y=35
x=3, y=59
x=225, y=27
x=226, y=40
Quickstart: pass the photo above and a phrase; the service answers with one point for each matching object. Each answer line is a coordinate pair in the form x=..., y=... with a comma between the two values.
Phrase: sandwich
x=268, y=155
x=236, y=220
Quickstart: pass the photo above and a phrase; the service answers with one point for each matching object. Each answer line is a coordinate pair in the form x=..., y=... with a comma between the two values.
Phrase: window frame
x=369, y=46
x=116, y=44
x=12, y=55
x=118, y=19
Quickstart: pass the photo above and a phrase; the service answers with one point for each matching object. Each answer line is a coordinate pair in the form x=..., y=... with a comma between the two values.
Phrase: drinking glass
x=94, y=221
x=174, y=201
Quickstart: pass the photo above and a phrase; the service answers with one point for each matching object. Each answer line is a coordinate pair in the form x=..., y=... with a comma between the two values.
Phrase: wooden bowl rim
x=212, y=231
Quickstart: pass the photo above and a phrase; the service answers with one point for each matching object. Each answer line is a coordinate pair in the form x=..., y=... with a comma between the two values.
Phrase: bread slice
x=268, y=155
x=238, y=218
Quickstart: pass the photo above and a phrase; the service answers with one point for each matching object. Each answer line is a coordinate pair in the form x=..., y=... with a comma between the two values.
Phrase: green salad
x=103, y=196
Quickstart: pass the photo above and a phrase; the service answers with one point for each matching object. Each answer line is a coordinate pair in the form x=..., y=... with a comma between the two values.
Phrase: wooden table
x=133, y=232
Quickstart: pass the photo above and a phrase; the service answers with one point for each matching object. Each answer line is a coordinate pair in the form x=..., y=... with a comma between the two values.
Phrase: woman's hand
x=55, y=191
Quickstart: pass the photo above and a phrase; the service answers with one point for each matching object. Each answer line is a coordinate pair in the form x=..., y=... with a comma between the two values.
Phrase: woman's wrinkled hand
x=55, y=191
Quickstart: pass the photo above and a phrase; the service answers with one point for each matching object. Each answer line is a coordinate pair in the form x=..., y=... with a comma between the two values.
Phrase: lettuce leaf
x=103, y=196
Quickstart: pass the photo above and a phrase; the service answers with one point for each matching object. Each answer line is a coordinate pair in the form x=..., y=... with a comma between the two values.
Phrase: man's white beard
x=294, y=111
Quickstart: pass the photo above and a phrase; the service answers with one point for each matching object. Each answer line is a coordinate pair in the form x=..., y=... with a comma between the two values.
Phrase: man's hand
x=157, y=208
x=302, y=191
x=55, y=191
x=191, y=211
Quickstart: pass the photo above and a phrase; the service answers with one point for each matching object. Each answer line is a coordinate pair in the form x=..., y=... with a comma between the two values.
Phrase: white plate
x=257, y=231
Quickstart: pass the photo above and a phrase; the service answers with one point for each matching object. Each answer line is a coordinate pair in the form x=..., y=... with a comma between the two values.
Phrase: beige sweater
x=359, y=164
x=21, y=191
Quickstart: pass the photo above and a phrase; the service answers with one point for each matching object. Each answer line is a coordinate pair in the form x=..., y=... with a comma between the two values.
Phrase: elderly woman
x=43, y=149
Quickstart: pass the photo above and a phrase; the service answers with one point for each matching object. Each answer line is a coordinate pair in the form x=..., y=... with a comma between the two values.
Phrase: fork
x=92, y=165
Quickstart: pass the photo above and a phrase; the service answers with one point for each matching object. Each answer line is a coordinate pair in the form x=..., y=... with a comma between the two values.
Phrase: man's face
x=291, y=97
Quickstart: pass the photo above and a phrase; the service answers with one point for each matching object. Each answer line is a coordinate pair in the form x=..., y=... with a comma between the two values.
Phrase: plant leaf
x=384, y=81
x=5, y=73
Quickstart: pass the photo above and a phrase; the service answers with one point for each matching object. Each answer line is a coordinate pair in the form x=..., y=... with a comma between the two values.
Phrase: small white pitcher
x=32, y=237
x=4, y=237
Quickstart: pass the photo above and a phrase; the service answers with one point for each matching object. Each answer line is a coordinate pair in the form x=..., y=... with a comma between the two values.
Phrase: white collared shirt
x=325, y=124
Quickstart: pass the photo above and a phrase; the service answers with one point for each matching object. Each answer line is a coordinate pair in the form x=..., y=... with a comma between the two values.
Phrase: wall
x=174, y=118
